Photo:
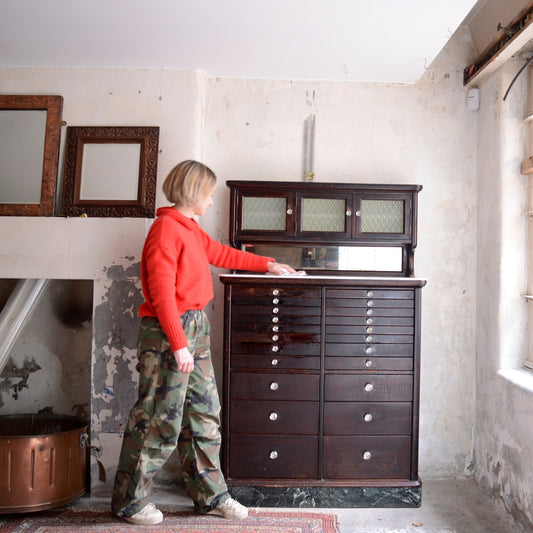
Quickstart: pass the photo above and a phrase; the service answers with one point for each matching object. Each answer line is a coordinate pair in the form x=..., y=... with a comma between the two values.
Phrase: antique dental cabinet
x=322, y=369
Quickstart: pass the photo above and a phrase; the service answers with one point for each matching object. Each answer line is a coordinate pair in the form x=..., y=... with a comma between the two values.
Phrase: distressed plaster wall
x=504, y=419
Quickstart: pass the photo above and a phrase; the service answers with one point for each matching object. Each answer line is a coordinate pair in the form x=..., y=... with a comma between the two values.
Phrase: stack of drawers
x=275, y=382
x=368, y=393
x=320, y=382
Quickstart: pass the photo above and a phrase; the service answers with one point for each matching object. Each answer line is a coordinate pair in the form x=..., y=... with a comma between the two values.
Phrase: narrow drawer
x=368, y=388
x=339, y=349
x=367, y=458
x=276, y=362
x=241, y=293
x=350, y=294
x=367, y=418
x=270, y=386
x=277, y=417
x=268, y=457
x=369, y=363
x=279, y=347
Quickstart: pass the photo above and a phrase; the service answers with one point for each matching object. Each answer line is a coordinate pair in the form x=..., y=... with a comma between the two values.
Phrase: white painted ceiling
x=356, y=40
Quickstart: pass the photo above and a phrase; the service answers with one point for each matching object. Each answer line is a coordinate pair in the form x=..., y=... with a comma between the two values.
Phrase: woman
x=178, y=404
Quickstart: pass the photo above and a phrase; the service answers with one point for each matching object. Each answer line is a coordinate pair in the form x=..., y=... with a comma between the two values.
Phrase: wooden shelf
x=501, y=49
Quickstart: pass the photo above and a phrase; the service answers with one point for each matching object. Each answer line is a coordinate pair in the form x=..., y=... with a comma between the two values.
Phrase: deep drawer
x=367, y=458
x=367, y=418
x=277, y=417
x=268, y=386
x=368, y=388
x=273, y=457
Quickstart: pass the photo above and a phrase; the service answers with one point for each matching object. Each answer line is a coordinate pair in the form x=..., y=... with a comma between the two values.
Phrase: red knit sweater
x=175, y=271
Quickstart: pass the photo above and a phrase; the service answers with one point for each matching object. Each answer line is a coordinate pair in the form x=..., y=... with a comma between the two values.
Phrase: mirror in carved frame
x=30, y=131
x=110, y=171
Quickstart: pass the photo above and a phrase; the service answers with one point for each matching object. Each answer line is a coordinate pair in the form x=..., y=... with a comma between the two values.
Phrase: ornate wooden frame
x=144, y=204
x=53, y=105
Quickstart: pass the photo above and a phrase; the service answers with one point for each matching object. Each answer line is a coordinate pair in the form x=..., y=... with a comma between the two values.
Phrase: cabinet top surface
x=351, y=280
x=302, y=186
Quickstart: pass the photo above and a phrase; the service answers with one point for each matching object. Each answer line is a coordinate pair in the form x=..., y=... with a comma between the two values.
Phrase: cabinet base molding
x=330, y=497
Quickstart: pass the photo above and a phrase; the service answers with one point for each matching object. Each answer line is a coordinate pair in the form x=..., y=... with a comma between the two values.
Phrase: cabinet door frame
x=405, y=236
x=325, y=235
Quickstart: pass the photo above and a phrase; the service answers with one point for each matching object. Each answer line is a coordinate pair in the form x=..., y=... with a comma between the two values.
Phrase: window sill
x=521, y=377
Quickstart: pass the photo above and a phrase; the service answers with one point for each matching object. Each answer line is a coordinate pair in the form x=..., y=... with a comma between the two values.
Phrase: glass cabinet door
x=265, y=213
x=325, y=215
x=386, y=217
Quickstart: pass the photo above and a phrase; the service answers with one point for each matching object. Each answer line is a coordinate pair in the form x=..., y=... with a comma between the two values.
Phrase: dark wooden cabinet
x=321, y=373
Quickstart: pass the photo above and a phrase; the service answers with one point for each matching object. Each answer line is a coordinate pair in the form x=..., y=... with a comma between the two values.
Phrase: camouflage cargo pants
x=173, y=410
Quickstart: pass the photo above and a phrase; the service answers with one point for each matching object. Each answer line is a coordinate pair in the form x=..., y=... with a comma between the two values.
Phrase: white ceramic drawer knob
x=274, y=386
x=369, y=312
x=367, y=456
x=275, y=329
x=273, y=416
x=275, y=292
x=369, y=363
x=275, y=319
x=273, y=454
x=368, y=417
x=369, y=329
x=370, y=294
x=369, y=349
x=368, y=387
x=275, y=348
x=289, y=211
x=348, y=213
x=275, y=337
x=275, y=310
x=369, y=338
x=369, y=320
x=370, y=303
x=274, y=362
x=358, y=213
x=275, y=301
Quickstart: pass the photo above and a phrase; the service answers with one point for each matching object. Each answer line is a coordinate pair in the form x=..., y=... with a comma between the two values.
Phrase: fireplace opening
x=47, y=368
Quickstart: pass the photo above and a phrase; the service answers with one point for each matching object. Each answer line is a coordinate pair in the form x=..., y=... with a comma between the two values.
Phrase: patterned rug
x=71, y=521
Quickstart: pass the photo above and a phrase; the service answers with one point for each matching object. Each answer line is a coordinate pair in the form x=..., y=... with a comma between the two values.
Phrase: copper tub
x=43, y=461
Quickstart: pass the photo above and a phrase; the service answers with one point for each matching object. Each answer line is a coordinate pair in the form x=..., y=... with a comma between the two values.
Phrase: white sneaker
x=147, y=516
x=230, y=509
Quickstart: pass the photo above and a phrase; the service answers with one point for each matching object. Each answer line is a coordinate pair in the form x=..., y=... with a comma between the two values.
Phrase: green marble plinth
x=328, y=496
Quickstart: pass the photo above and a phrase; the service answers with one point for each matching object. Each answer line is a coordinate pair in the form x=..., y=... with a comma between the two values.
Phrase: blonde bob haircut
x=188, y=183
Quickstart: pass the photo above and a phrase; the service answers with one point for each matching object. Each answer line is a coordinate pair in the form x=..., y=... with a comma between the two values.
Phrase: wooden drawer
x=369, y=363
x=289, y=295
x=367, y=418
x=246, y=314
x=368, y=388
x=376, y=294
x=276, y=362
x=269, y=457
x=338, y=349
x=276, y=417
x=361, y=319
x=275, y=348
x=269, y=386
x=367, y=458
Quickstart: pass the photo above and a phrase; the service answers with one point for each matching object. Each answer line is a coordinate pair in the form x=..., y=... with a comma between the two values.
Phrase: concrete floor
x=448, y=506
